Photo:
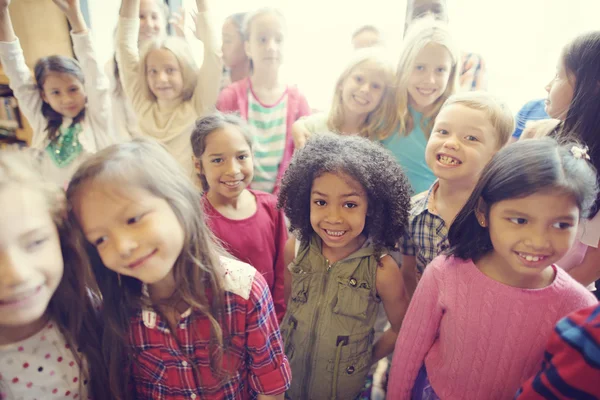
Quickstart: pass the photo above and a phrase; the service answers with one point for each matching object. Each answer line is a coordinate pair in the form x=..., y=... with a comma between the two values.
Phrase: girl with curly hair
x=347, y=201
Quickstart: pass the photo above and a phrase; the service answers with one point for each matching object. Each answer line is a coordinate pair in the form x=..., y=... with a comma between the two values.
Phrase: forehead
x=56, y=79
x=370, y=68
x=228, y=138
x=462, y=114
x=334, y=184
x=434, y=53
x=266, y=23
x=230, y=27
x=547, y=204
x=422, y=6
x=150, y=6
x=161, y=56
x=22, y=209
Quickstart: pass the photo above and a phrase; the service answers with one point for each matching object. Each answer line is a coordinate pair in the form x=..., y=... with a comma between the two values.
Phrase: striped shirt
x=427, y=233
x=270, y=131
x=571, y=367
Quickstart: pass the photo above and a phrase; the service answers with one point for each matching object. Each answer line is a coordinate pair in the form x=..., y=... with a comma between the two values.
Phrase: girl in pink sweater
x=479, y=319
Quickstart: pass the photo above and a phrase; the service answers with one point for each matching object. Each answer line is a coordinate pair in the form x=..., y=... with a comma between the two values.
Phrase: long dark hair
x=61, y=65
x=207, y=125
x=146, y=164
x=581, y=59
x=75, y=305
x=519, y=170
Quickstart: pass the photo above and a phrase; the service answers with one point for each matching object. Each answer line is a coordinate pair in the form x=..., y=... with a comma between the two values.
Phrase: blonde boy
x=469, y=129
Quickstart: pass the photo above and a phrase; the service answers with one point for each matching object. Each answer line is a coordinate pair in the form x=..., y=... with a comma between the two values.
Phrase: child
x=166, y=89
x=366, y=36
x=570, y=369
x=246, y=221
x=267, y=104
x=183, y=321
x=237, y=64
x=46, y=309
x=481, y=315
x=469, y=129
x=347, y=200
x=426, y=77
x=153, y=24
x=573, y=100
x=67, y=105
x=363, y=102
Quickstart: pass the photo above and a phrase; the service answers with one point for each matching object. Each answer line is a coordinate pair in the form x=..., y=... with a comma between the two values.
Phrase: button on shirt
x=253, y=359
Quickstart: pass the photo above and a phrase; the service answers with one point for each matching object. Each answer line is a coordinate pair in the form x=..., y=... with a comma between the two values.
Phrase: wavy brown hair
x=75, y=304
x=146, y=164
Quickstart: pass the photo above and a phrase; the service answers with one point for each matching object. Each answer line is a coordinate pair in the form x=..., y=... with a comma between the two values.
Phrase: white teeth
x=232, y=184
x=448, y=160
x=530, y=257
x=426, y=92
x=334, y=233
x=360, y=101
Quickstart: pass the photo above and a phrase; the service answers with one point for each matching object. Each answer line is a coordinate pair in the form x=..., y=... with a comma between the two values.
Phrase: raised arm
x=96, y=82
x=20, y=79
x=128, y=57
x=209, y=75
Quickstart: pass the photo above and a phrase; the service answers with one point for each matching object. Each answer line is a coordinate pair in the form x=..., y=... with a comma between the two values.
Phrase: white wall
x=519, y=39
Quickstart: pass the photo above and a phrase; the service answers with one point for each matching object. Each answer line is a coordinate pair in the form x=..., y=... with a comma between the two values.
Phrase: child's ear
x=481, y=211
x=197, y=165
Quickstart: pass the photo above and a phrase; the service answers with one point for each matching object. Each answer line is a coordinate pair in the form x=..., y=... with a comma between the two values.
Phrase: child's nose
x=125, y=245
x=13, y=270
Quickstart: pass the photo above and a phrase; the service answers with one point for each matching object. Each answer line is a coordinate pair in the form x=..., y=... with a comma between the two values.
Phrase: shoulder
x=266, y=202
x=233, y=91
x=573, y=293
x=238, y=277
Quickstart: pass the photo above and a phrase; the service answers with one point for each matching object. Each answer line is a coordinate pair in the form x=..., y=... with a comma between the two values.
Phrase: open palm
x=67, y=6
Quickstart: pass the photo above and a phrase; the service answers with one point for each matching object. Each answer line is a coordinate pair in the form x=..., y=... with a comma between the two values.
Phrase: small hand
x=69, y=7
x=4, y=3
x=177, y=20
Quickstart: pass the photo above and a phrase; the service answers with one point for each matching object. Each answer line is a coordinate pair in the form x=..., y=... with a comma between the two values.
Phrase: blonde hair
x=182, y=52
x=496, y=110
x=380, y=122
x=249, y=17
x=146, y=164
x=421, y=33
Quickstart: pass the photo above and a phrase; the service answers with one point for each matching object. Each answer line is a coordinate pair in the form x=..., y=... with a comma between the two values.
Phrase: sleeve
x=268, y=368
x=227, y=101
x=209, y=75
x=406, y=244
x=303, y=108
x=281, y=237
x=520, y=121
x=571, y=369
x=315, y=123
x=128, y=59
x=96, y=88
x=24, y=88
x=418, y=333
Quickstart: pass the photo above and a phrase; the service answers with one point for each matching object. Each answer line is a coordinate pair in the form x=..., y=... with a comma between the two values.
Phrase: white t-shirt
x=40, y=367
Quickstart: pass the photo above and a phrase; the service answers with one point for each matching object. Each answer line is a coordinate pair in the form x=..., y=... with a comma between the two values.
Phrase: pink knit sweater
x=478, y=338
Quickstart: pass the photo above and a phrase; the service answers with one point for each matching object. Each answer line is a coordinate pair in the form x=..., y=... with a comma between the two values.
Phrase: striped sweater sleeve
x=571, y=367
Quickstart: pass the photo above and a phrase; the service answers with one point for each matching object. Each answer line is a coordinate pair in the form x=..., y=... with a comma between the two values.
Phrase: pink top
x=588, y=236
x=234, y=98
x=258, y=240
x=478, y=338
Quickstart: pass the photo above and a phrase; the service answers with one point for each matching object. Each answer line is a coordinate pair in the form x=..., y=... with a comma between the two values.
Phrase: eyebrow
x=521, y=214
x=315, y=192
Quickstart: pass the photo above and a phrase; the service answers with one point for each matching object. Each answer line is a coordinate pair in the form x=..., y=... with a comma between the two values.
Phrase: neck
x=352, y=122
x=335, y=254
x=14, y=334
x=235, y=203
x=454, y=193
x=418, y=108
x=163, y=289
x=265, y=79
x=494, y=267
x=240, y=71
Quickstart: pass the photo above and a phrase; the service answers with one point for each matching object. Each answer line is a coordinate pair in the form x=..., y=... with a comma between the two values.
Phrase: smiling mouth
x=333, y=233
x=142, y=260
x=360, y=101
x=21, y=297
x=426, y=92
x=531, y=257
x=232, y=184
x=448, y=160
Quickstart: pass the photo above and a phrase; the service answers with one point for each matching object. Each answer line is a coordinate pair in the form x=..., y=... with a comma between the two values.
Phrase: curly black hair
x=382, y=178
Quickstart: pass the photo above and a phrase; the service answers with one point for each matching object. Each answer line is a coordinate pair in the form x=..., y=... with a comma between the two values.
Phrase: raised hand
x=178, y=21
x=72, y=10
x=4, y=4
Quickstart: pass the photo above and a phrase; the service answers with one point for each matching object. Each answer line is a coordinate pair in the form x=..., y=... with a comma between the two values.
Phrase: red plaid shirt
x=254, y=359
